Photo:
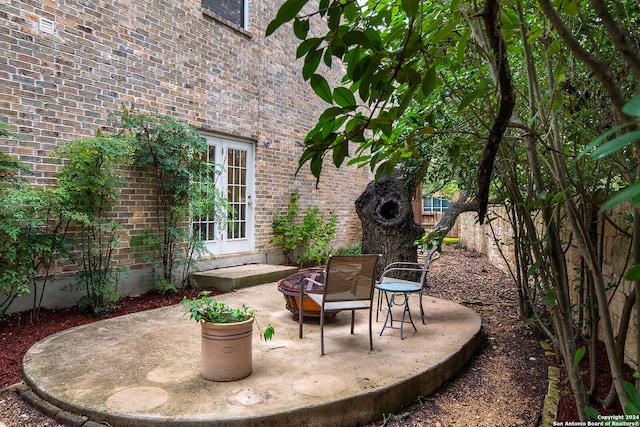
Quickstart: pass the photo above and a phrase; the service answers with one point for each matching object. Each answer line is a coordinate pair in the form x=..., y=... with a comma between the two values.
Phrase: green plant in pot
x=226, y=349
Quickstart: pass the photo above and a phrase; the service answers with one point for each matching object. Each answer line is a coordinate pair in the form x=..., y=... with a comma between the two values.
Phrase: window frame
x=442, y=205
x=244, y=27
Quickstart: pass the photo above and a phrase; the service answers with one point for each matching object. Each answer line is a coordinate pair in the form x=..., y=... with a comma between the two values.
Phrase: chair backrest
x=350, y=277
x=410, y=272
x=425, y=267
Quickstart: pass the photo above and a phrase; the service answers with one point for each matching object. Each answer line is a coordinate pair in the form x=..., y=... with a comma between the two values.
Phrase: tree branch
x=599, y=68
x=620, y=38
x=507, y=102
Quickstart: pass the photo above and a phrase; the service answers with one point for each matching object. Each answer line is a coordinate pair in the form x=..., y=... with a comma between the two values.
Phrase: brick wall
x=172, y=58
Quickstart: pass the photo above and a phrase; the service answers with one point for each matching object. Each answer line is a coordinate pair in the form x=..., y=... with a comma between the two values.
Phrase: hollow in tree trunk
x=388, y=225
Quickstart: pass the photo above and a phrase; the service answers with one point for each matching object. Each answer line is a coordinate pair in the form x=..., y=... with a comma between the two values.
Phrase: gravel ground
x=504, y=385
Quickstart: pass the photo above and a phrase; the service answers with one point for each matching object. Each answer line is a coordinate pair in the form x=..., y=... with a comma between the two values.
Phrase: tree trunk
x=388, y=227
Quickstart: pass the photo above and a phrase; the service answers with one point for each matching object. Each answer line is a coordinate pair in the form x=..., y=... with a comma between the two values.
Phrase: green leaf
x=334, y=18
x=413, y=77
x=632, y=107
x=357, y=37
x=343, y=97
x=554, y=48
x=463, y=44
x=364, y=86
x=429, y=81
x=307, y=45
x=579, y=355
x=340, y=151
x=616, y=144
x=286, y=13
x=556, y=100
x=386, y=169
x=599, y=140
x=306, y=155
x=410, y=7
x=338, y=122
x=269, y=332
x=381, y=123
x=444, y=32
x=633, y=399
x=572, y=8
x=301, y=28
x=361, y=68
x=633, y=273
x=591, y=412
x=510, y=21
x=374, y=37
x=550, y=298
x=468, y=99
x=632, y=192
x=272, y=27
x=321, y=88
x=323, y=6
x=331, y=126
x=534, y=267
x=316, y=165
x=311, y=62
x=350, y=11
x=327, y=56
x=330, y=113
x=407, y=98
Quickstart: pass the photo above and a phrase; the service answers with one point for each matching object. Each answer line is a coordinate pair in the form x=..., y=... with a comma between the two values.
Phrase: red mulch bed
x=16, y=336
x=567, y=410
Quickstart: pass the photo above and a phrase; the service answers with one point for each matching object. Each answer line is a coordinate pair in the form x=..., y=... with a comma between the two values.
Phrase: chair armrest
x=405, y=263
x=390, y=270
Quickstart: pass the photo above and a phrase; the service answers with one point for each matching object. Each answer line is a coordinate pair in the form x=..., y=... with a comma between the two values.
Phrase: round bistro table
x=396, y=289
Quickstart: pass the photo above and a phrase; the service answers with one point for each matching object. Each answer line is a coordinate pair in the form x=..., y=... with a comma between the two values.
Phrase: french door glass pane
x=236, y=191
x=203, y=226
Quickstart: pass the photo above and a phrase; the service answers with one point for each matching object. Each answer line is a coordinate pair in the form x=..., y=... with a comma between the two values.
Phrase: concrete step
x=241, y=276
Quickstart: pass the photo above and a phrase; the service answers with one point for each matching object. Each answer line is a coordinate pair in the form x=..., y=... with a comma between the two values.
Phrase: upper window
x=233, y=11
x=434, y=204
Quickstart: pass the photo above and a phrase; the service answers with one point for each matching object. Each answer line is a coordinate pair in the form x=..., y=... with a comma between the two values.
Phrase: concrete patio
x=143, y=369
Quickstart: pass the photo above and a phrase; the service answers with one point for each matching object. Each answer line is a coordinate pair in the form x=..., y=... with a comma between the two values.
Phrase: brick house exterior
x=65, y=65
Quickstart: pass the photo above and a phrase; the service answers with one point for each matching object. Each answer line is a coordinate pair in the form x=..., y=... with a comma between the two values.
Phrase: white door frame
x=237, y=183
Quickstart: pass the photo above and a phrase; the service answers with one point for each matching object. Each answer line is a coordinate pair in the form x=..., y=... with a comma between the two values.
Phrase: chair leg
x=300, y=316
x=421, y=308
x=353, y=319
x=370, y=329
x=322, y=330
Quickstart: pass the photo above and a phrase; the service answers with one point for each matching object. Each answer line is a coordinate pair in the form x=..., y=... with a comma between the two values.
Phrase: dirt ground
x=504, y=385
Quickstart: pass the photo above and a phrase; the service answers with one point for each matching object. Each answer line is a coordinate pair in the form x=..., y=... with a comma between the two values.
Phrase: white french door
x=235, y=162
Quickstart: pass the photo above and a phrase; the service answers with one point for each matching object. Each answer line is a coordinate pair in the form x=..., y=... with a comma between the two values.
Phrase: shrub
x=32, y=233
x=90, y=183
x=354, y=249
x=304, y=239
x=172, y=154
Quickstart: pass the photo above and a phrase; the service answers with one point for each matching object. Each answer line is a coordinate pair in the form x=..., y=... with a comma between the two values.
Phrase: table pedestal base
x=396, y=290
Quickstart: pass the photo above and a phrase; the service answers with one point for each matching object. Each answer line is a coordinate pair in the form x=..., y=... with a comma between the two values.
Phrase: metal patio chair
x=349, y=285
x=404, y=268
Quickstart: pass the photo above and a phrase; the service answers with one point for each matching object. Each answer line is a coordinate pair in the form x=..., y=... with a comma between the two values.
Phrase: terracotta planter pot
x=226, y=351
